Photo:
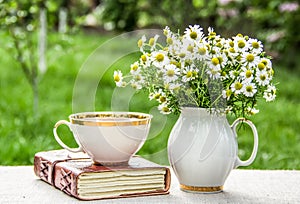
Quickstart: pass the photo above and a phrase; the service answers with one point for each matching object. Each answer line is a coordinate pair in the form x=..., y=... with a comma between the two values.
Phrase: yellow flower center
x=134, y=67
x=156, y=96
x=212, y=33
x=220, y=60
x=261, y=66
x=151, y=41
x=238, y=86
x=241, y=44
x=249, y=88
x=231, y=50
x=169, y=41
x=202, y=51
x=190, y=48
x=138, y=77
x=263, y=77
x=250, y=57
x=215, y=61
x=144, y=58
x=170, y=73
x=255, y=44
x=134, y=86
x=265, y=62
x=117, y=78
x=182, y=55
x=165, y=109
x=162, y=99
x=195, y=73
x=248, y=74
x=214, y=72
x=140, y=43
x=160, y=57
x=228, y=92
x=193, y=35
x=189, y=74
x=166, y=32
x=231, y=43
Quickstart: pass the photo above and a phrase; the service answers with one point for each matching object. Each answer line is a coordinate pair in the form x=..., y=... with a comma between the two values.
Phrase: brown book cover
x=76, y=175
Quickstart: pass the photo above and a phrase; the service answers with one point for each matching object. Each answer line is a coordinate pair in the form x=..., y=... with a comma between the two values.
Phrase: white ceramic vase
x=203, y=149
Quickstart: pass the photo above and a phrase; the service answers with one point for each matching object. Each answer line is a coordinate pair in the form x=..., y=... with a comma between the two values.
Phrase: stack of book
x=76, y=175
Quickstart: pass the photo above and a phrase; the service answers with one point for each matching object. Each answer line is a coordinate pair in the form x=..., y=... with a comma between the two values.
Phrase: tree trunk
x=35, y=90
x=62, y=21
x=42, y=41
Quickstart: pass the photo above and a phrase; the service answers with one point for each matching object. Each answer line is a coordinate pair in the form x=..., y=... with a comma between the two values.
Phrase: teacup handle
x=239, y=162
x=64, y=122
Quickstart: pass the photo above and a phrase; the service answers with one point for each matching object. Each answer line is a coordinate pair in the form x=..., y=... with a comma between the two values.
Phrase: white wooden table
x=20, y=185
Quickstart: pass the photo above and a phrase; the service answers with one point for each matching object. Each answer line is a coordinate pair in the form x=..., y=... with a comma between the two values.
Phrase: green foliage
x=275, y=22
x=122, y=14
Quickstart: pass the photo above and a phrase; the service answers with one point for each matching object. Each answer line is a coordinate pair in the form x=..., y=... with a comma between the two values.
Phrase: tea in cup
x=107, y=137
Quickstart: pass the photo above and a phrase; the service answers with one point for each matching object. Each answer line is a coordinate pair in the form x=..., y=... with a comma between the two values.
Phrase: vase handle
x=239, y=162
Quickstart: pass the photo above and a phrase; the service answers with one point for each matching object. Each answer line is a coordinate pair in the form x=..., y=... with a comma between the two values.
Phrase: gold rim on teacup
x=110, y=118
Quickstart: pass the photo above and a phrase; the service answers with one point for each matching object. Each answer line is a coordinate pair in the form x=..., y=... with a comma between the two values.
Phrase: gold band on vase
x=209, y=189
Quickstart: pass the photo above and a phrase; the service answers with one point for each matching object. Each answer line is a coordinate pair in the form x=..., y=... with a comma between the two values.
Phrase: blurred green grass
x=23, y=133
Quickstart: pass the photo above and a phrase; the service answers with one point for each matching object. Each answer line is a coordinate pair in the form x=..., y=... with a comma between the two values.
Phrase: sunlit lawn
x=74, y=71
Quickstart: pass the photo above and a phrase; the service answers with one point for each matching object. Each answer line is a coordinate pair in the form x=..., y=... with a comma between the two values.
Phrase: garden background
x=45, y=44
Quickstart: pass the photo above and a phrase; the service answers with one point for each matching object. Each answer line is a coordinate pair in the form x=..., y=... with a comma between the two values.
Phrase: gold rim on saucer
x=110, y=118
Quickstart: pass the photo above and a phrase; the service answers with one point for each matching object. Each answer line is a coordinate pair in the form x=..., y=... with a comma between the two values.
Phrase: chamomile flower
x=227, y=93
x=145, y=60
x=214, y=72
x=255, y=46
x=240, y=43
x=270, y=93
x=233, y=74
x=262, y=78
x=156, y=94
x=141, y=43
x=193, y=33
x=187, y=67
x=134, y=68
x=267, y=62
x=237, y=87
x=152, y=42
x=201, y=51
x=170, y=37
x=171, y=73
x=247, y=74
x=136, y=85
x=250, y=59
x=172, y=86
x=186, y=50
x=252, y=111
x=160, y=58
x=189, y=73
x=118, y=78
x=249, y=89
x=214, y=68
x=164, y=109
x=167, y=31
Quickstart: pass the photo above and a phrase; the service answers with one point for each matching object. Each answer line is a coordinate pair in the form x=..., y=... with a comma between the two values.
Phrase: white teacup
x=107, y=137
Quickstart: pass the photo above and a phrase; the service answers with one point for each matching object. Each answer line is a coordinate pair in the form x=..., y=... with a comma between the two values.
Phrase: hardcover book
x=76, y=175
